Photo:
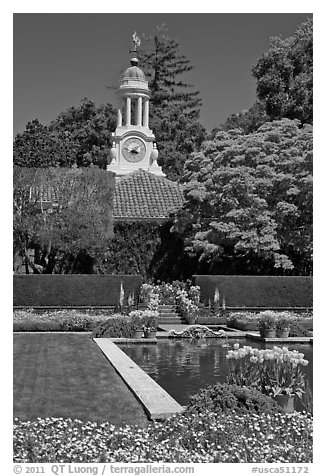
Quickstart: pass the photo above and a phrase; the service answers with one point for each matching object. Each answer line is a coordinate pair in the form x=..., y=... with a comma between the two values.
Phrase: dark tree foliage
x=246, y=121
x=284, y=76
x=65, y=214
x=175, y=107
x=89, y=126
x=38, y=146
x=148, y=249
x=80, y=135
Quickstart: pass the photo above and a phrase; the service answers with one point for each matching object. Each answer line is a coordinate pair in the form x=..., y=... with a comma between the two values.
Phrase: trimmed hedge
x=257, y=291
x=68, y=290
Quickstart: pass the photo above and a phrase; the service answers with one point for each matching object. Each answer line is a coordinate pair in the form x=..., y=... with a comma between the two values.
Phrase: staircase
x=168, y=315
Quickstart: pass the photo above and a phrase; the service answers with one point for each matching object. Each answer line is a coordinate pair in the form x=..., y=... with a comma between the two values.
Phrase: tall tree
x=64, y=214
x=38, y=146
x=247, y=121
x=284, y=76
x=249, y=201
x=80, y=135
x=90, y=127
x=175, y=107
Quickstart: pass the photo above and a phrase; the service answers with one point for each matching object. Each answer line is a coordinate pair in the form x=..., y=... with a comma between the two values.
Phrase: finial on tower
x=136, y=42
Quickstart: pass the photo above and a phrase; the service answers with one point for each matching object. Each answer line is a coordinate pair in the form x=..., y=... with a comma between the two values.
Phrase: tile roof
x=138, y=195
x=142, y=195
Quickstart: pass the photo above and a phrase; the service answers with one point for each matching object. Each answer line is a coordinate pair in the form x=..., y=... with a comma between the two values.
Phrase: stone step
x=168, y=314
x=171, y=321
x=172, y=316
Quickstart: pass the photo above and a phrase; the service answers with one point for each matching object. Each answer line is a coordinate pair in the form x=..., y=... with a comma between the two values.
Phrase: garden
x=249, y=417
x=238, y=421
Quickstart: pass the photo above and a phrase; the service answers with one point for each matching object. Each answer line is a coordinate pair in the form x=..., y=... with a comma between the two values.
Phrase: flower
x=184, y=438
x=273, y=371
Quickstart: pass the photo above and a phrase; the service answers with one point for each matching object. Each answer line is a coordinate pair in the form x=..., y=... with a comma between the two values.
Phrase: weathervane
x=136, y=42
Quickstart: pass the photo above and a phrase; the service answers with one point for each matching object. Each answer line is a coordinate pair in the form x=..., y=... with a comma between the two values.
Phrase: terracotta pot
x=268, y=333
x=152, y=334
x=284, y=333
x=286, y=402
x=138, y=334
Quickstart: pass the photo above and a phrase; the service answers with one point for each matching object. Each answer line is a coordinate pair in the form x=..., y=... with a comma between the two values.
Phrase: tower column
x=146, y=112
x=119, y=117
x=128, y=111
x=139, y=111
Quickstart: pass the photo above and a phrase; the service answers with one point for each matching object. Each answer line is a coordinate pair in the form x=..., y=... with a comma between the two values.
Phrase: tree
x=80, y=135
x=284, y=76
x=90, y=127
x=38, y=146
x=249, y=201
x=247, y=121
x=175, y=107
x=64, y=214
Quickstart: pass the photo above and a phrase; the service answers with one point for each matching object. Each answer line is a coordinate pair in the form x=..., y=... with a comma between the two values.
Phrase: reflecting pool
x=183, y=366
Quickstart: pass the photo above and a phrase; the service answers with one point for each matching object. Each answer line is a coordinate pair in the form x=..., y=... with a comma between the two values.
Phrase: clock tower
x=133, y=143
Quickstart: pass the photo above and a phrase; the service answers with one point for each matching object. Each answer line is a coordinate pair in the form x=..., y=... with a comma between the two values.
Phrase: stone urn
x=152, y=334
x=268, y=333
x=138, y=334
x=286, y=402
x=283, y=333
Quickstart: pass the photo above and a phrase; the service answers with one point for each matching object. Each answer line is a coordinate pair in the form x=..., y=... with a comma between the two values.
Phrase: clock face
x=133, y=149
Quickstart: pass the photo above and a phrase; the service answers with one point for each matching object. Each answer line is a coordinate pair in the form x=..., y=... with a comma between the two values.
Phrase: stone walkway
x=157, y=402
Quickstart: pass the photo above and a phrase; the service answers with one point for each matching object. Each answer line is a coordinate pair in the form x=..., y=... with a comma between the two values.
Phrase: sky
x=61, y=58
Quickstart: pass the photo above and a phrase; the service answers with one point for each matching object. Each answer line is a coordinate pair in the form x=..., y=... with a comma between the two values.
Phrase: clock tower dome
x=133, y=143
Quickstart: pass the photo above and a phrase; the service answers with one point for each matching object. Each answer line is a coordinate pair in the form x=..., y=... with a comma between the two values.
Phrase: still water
x=184, y=366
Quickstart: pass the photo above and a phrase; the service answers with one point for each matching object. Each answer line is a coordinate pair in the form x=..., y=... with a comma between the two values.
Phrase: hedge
x=68, y=290
x=270, y=292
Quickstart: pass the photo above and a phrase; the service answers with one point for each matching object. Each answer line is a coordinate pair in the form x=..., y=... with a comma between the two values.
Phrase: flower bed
x=299, y=324
x=189, y=438
x=64, y=320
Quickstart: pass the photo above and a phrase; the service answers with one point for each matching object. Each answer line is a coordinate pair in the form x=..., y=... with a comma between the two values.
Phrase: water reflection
x=184, y=366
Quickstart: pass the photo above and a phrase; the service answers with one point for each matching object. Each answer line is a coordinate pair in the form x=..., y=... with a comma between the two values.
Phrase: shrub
x=224, y=397
x=299, y=329
x=119, y=326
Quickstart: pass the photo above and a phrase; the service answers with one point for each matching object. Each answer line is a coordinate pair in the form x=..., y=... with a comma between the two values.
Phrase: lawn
x=68, y=376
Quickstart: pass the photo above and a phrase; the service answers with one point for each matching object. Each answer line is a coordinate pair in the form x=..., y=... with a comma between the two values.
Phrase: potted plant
x=282, y=328
x=192, y=318
x=137, y=323
x=267, y=325
x=150, y=324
